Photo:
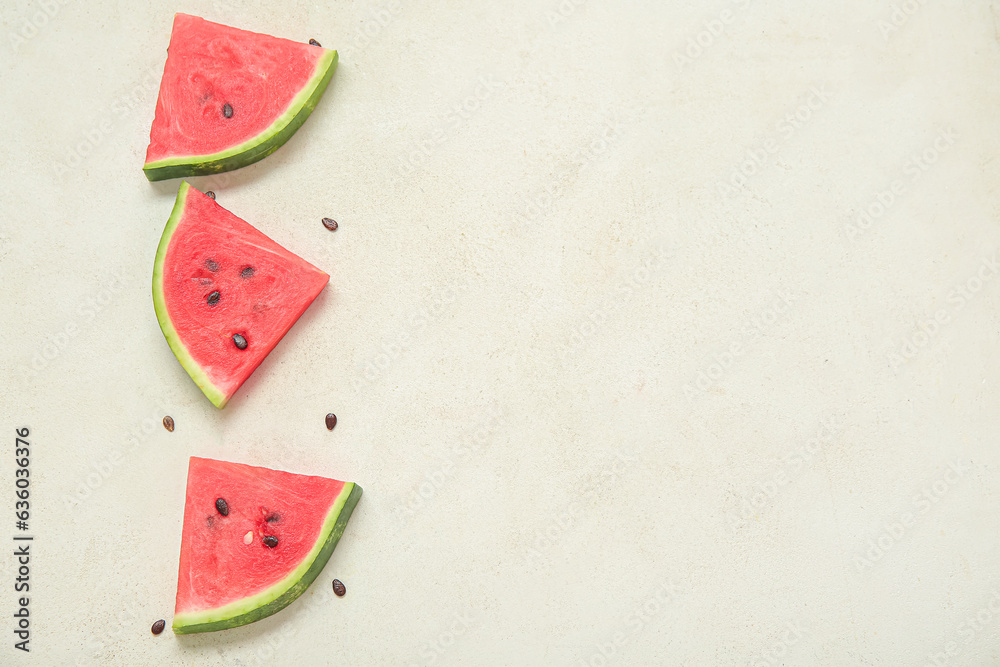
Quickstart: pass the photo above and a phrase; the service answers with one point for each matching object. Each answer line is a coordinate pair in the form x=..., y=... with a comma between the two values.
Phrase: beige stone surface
x=658, y=333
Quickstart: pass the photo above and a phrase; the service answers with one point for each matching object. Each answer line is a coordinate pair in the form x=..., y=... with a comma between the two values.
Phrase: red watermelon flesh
x=216, y=277
x=270, y=85
x=223, y=581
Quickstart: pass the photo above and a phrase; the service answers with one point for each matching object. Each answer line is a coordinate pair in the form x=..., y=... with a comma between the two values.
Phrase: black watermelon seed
x=158, y=626
x=273, y=518
x=314, y=42
x=213, y=298
x=210, y=194
x=331, y=421
x=330, y=224
x=222, y=506
x=211, y=265
x=271, y=541
x=339, y=588
x=247, y=273
x=240, y=341
x=227, y=110
x=168, y=423
x=209, y=521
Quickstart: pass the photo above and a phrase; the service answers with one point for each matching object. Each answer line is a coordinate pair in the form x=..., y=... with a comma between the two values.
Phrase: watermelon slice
x=224, y=293
x=252, y=554
x=230, y=97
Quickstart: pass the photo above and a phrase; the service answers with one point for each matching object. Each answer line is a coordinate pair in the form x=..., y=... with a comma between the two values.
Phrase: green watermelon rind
x=258, y=147
x=216, y=395
x=283, y=593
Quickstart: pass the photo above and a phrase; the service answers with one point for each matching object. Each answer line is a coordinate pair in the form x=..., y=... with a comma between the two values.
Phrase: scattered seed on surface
x=211, y=265
x=338, y=588
x=222, y=506
x=331, y=421
x=210, y=194
x=247, y=273
x=271, y=541
x=168, y=423
x=227, y=110
x=240, y=341
x=314, y=42
x=248, y=538
x=158, y=626
x=213, y=298
x=330, y=224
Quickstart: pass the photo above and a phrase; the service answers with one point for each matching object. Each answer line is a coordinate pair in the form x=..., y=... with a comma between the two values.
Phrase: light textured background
x=527, y=306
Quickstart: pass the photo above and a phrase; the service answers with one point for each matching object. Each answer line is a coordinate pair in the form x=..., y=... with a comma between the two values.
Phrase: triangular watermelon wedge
x=224, y=293
x=253, y=554
x=230, y=97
